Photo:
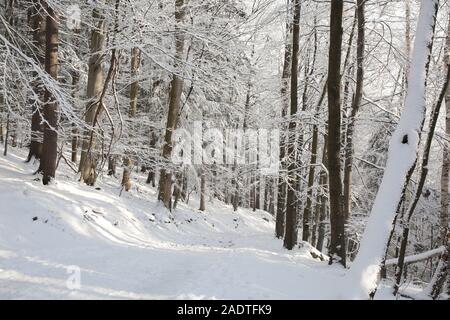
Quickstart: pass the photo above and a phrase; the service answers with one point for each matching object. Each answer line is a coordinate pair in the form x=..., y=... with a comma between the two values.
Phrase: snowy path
x=126, y=248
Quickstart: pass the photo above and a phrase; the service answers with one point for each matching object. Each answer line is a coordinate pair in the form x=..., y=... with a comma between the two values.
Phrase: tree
x=356, y=103
x=165, y=181
x=402, y=158
x=88, y=159
x=337, y=249
x=50, y=144
x=38, y=25
x=282, y=188
x=290, y=236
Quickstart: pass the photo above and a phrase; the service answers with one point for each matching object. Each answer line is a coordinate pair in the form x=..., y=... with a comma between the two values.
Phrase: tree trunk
x=422, y=178
x=50, y=144
x=356, y=103
x=337, y=250
x=282, y=188
x=126, y=178
x=312, y=168
x=134, y=89
x=112, y=166
x=202, y=191
x=165, y=181
x=88, y=159
x=443, y=272
x=74, y=143
x=402, y=159
x=290, y=237
x=38, y=25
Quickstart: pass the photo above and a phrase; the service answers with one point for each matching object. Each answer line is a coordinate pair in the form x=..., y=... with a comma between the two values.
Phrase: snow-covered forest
x=224, y=149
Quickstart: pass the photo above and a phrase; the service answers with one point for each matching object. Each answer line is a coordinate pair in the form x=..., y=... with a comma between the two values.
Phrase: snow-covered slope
x=129, y=247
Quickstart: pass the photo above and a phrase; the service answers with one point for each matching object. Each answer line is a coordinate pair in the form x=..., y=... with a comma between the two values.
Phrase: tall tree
x=290, y=236
x=38, y=25
x=50, y=144
x=337, y=249
x=165, y=181
x=402, y=158
x=356, y=103
x=282, y=187
x=88, y=159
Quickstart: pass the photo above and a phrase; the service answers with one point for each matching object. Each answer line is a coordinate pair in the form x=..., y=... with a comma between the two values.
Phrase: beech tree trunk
x=50, y=144
x=337, y=249
x=290, y=236
x=202, y=191
x=282, y=187
x=38, y=25
x=165, y=181
x=88, y=159
x=356, y=103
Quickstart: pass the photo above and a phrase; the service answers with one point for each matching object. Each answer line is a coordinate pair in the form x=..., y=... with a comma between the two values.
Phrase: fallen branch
x=418, y=257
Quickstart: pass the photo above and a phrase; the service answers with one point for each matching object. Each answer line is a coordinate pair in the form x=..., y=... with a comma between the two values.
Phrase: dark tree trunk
x=50, y=144
x=38, y=24
x=282, y=188
x=165, y=181
x=290, y=237
x=337, y=250
x=355, y=108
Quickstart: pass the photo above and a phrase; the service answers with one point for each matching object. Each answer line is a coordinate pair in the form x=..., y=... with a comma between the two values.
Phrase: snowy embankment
x=128, y=247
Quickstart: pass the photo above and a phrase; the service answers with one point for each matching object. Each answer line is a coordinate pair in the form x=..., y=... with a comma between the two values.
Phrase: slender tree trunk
x=151, y=172
x=126, y=179
x=134, y=89
x=38, y=24
x=74, y=142
x=2, y=102
x=290, y=237
x=308, y=208
x=112, y=165
x=337, y=250
x=356, y=102
x=88, y=159
x=282, y=187
x=165, y=181
x=50, y=144
x=202, y=191
x=5, y=150
x=422, y=179
x=444, y=237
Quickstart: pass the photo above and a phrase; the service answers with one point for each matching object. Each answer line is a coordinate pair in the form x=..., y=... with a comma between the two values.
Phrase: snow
x=402, y=156
x=129, y=247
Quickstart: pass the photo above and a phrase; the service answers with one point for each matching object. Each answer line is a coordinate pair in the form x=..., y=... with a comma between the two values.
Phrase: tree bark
x=88, y=159
x=38, y=25
x=290, y=237
x=134, y=88
x=202, y=191
x=165, y=181
x=50, y=144
x=337, y=249
x=282, y=188
x=356, y=103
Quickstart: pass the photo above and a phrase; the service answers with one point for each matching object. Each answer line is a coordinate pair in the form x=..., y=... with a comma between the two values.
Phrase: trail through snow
x=128, y=247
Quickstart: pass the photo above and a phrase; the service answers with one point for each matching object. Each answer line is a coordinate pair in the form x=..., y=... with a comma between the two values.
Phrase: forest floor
x=128, y=247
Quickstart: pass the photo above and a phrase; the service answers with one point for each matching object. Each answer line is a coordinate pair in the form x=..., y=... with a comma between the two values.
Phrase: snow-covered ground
x=128, y=247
